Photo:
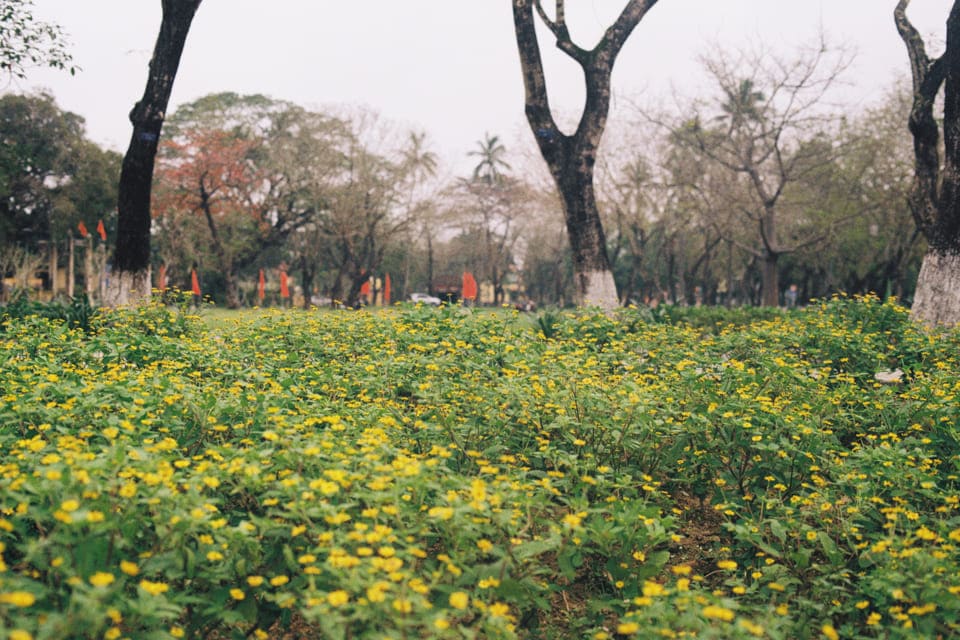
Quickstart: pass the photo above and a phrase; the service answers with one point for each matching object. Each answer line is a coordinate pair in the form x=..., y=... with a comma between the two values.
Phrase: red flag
x=284, y=289
x=262, y=287
x=386, y=290
x=83, y=229
x=469, y=286
x=365, y=288
x=102, y=231
x=194, y=282
x=162, y=277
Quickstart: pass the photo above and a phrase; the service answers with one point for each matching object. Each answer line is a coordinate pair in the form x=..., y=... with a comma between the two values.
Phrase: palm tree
x=418, y=161
x=742, y=104
x=491, y=154
x=421, y=164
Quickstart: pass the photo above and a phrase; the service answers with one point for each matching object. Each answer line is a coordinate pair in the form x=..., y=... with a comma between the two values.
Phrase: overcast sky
x=447, y=67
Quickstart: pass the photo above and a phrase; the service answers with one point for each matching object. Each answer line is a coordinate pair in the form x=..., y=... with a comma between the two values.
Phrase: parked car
x=425, y=298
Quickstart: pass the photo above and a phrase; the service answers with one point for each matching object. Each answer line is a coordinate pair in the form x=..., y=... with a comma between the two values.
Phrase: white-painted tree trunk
x=127, y=287
x=598, y=289
x=936, y=302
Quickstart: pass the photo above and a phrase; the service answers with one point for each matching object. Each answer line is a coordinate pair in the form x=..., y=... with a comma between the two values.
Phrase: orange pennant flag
x=102, y=230
x=469, y=286
x=194, y=282
x=284, y=289
x=386, y=290
x=162, y=277
x=83, y=229
x=262, y=287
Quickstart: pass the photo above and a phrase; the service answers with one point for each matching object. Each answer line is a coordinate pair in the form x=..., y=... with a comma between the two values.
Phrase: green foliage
x=74, y=313
x=51, y=177
x=448, y=473
x=27, y=42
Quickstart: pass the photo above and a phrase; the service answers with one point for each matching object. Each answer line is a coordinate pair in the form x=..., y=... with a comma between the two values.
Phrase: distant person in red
x=284, y=287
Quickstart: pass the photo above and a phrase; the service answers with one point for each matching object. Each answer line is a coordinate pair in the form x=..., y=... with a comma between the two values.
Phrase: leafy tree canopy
x=26, y=42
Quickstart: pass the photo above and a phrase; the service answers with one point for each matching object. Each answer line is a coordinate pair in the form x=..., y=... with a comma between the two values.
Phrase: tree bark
x=935, y=195
x=227, y=265
x=131, y=275
x=571, y=158
x=937, y=298
x=771, y=280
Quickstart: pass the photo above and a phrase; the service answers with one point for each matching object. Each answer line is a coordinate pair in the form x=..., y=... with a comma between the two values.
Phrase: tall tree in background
x=490, y=151
x=769, y=133
x=131, y=280
x=571, y=158
x=935, y=196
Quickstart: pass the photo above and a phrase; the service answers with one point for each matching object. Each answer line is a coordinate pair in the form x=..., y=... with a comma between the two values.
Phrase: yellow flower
x=70, y=505
x=627, y=628
x=237, y=594
x=443, y=513
x=338, y=598
x=829, y=632
x=129, y=568
x=214, y=556
x=154, y=588
x=459, y=600
x=375, y=593
x=19, y=634
x=112, y=633
x=255, y=581
x=102, y=579
x=177, y=632
x=729, y=565
x=18, y=598
x=718, y=613
x=573, y=520
x=279, y=581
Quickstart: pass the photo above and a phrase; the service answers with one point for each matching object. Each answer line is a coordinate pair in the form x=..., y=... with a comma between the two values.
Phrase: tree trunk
x=131, y=275
x=307, y=273
x=54, y=259
x=771, y=280
x=429, y=264
x=571, y=157
x=593, y=278
x=935, y=196
x=227, y=266
x=937, y=299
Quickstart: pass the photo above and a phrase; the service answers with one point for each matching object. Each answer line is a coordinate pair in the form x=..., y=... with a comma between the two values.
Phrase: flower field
x=437, y=473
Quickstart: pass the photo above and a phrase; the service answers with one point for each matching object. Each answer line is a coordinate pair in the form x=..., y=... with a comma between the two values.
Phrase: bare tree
x=131, y=279
x=571, y=158
x=769, y=132
x=935, y=195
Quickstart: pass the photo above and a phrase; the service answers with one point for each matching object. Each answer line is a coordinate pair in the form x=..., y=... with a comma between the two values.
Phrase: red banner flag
x=102, y=230
x=284, y=289
x=469, y=286
x=162, y=277
x=194, y=282
x=365, y=288
x=83, y=229
x=262, y=287
x=386, y=290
